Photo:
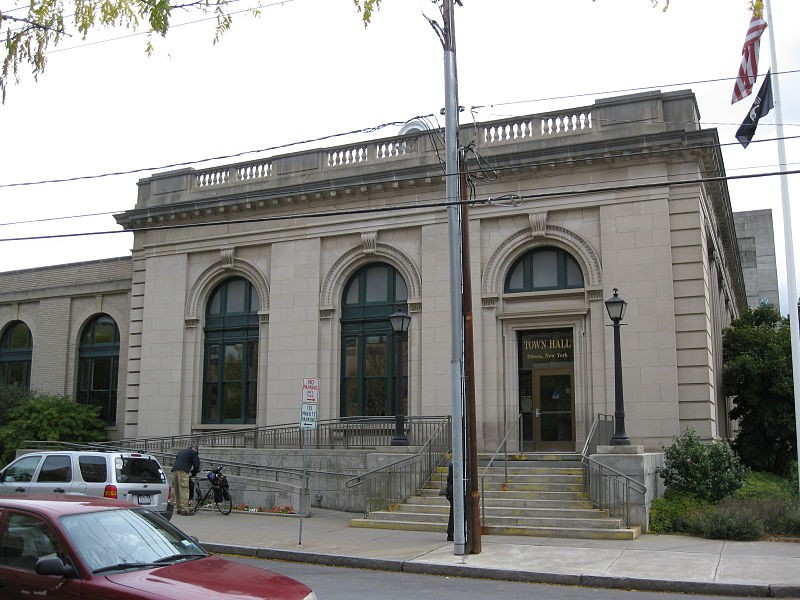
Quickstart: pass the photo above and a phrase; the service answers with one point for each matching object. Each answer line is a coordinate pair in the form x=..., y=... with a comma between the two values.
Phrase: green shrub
x=50, y=418
x=793, y=483
x=779, y=514
x=727, y=521
x=10, y=397
x=709, y=471
x=670, y=514
x=761, y=485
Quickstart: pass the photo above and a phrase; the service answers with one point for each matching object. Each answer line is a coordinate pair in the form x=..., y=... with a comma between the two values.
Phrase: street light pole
x=616, y=310
x=400, y=322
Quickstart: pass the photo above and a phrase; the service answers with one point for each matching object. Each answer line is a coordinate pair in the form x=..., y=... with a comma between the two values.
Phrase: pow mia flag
x=761, y=106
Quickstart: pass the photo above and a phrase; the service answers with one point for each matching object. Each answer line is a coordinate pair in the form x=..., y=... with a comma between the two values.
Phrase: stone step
x=514, y=469
x=519, y=477
x=557, y=512
x=538, y=459
x=501, y=521
x=520, y=494
x=503, y=502
x=520, y=486
x=532, y=494
x=559, y=532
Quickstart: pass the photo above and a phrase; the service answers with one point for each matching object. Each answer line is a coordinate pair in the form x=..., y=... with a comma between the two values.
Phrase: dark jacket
x=187, y=460
x=449, y=492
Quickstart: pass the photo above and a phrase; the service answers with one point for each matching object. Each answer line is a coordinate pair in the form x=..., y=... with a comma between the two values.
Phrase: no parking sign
x=308, y=405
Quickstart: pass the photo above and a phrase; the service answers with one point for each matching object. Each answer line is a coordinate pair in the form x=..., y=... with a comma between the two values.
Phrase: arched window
x=231, y=353
x=543, y=269
x=368, y=346
x=16, y=350
x=98, y=365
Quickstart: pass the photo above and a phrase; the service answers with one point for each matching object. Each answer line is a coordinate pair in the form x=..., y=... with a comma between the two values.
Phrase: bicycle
x=217, y=493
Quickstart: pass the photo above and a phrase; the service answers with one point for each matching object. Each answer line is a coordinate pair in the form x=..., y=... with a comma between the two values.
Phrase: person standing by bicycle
x=185, y=465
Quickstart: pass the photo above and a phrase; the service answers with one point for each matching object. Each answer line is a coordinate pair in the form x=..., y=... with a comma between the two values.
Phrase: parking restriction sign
x=308, y=403
x=308, y=415
x=310, y=389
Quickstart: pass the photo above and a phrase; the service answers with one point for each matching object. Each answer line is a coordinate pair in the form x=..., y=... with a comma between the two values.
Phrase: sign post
x=308, y=420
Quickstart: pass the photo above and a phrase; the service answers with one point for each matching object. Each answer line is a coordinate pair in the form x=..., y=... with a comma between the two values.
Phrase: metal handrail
x=400, y=479
x=607, y=488
x=344, y=432
x=504, y=446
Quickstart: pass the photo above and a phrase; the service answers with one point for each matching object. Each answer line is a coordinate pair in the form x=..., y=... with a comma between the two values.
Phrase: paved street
x=651, y=562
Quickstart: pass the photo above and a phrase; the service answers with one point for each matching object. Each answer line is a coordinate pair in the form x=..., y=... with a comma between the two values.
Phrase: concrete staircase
x=543, y=497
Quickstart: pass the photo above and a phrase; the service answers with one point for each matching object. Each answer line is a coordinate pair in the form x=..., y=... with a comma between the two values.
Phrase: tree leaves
x=50, y=418
x=757, y=373
x=29, y=36
x=366, y=8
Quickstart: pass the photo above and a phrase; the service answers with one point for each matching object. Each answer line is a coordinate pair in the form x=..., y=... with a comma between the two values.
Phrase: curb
x=595, y=581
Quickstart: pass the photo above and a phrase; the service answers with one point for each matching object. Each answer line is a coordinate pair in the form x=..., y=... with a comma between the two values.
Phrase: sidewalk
x=652, y=562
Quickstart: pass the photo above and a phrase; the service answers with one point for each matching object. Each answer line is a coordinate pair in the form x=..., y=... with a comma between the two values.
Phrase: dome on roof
x=413, y=126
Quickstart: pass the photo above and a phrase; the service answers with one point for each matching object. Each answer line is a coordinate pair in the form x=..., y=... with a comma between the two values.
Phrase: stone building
x=246, y=278
x=756, y=241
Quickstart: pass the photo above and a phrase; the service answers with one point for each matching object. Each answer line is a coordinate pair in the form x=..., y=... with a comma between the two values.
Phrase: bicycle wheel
x=225, y=506
x=194, y=500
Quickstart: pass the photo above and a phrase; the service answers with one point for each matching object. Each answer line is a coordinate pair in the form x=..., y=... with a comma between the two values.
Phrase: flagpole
x=791, y=278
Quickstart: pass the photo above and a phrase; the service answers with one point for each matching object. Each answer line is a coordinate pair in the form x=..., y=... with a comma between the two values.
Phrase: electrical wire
x=204, y=160
x=620, y=91
x=123, y=209
x=406, y=207
x=486, y=171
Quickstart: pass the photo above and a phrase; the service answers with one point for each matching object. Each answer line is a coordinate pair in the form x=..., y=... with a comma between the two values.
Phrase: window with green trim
x=230, y=376
x=543, y=269
x=16, y=352
x=98, y=366
x=369, y=347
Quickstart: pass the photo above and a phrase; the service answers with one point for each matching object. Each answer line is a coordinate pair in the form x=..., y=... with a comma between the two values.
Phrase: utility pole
x=452, y=191
x=474, y=530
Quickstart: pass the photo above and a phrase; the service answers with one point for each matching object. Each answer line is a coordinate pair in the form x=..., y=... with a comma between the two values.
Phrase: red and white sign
x=310, y=389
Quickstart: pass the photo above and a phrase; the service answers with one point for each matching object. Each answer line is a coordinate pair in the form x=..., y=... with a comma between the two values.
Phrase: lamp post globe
x=616, y=310
x=400, y=322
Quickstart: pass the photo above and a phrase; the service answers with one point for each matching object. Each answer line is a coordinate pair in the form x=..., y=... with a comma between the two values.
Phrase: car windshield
x=127, y=538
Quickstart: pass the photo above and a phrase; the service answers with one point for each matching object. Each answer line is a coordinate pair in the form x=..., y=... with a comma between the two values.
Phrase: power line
x=648, y=152
x=203, y=160
x=619, y=91
x=405, y=207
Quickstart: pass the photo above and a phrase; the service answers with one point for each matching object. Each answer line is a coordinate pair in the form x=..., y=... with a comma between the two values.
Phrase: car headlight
x=311, y=596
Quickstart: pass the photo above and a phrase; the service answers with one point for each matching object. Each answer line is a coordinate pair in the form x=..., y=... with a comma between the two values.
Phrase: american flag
x=748, y=71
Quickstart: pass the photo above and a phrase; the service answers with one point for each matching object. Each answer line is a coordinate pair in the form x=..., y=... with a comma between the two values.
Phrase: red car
x=74, y=546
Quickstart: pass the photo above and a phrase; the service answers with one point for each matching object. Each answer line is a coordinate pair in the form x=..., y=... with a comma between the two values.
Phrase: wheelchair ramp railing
x=393, y=483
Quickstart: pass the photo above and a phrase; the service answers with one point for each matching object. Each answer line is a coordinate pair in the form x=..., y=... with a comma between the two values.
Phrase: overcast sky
x=308, y=68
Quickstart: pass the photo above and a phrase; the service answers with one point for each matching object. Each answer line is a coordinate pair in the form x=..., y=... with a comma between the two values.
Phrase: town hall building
x=245, y=278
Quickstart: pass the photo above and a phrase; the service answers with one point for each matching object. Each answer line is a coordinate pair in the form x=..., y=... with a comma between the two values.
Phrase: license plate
x=144, y=500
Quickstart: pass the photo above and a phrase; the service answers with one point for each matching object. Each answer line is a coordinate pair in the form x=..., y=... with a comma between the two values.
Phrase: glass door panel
x=553, y=410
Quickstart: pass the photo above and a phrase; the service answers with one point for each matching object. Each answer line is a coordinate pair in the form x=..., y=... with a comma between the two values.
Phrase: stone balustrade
x=364, y=161
x=520, y=129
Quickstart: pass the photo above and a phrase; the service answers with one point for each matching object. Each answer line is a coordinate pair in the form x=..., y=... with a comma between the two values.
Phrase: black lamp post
x=616, y=310
x=400, y=322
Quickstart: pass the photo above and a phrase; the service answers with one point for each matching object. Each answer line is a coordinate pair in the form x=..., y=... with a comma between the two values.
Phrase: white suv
x=137, y=478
